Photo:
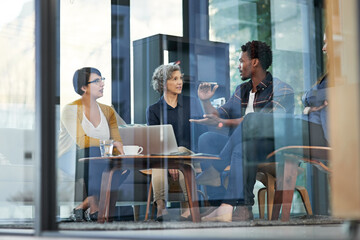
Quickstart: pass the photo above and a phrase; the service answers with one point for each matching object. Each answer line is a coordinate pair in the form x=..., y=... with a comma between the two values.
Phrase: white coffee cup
x=132, y=150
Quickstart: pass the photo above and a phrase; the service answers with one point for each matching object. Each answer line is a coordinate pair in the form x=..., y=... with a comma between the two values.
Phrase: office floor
x=328, y=231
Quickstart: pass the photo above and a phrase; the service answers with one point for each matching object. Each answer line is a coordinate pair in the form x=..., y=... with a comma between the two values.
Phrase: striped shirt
x=272, y=96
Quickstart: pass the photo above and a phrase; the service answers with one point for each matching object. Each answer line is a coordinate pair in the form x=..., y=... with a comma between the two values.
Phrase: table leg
x=116, y=175
x=103, y=192
x=191, y=189
x=148, y=202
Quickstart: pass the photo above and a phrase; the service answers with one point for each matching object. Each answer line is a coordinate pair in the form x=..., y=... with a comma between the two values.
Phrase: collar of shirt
x=179, y=102
x=267, y=81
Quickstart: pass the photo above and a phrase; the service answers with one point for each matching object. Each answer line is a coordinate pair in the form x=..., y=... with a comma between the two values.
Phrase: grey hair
x=161, y=75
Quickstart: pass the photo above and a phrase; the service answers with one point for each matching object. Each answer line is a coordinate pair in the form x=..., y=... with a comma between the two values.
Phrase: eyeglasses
x=97, y=81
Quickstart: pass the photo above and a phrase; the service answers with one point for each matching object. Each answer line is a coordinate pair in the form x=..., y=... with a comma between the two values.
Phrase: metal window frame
x=47, y=50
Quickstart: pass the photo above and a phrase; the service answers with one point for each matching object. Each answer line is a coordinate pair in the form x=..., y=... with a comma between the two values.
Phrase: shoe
x=185, y=219
x=77, y=215
x=222, y=218
x=209, y=177
x=159, y=218
x=167, y=218
x=92, y=217
x=242, y=213
x=164, y=218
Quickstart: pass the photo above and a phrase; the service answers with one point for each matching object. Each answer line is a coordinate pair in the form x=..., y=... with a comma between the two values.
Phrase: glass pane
x=17, y=112
x=81, y=46
x=260, y=76
x=293, y=33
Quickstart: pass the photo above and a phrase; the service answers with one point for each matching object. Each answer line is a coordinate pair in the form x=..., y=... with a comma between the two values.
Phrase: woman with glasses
x=175, y=109
x=84, y=123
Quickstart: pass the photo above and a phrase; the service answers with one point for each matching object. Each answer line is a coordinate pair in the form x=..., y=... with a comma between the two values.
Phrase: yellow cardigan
x=70, y=126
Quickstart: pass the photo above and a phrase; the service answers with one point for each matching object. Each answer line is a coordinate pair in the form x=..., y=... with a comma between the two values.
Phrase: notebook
x=155, y=139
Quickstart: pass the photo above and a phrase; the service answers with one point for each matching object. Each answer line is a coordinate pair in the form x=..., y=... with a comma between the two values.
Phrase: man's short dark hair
x=81, y=78
x=259, y=50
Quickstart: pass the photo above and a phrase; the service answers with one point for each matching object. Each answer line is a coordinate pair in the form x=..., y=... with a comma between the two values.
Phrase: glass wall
x=288, y=28
x=85, y=41
x=135, y=82
x=17, y=112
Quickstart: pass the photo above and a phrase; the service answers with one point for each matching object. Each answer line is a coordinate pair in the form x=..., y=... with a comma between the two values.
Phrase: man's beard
x=244, y=78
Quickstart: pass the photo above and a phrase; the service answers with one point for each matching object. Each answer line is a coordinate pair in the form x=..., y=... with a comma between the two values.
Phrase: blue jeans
x=258, y=135
x=92, y=171
x=229, y=149
x=213, y=143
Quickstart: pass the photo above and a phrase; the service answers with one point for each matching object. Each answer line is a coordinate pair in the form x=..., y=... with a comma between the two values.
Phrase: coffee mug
x=132, y=150
x=106, y=147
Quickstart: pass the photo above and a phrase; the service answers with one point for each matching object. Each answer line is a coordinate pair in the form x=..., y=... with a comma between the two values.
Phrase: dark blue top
x=315, y=97
x=187, y=108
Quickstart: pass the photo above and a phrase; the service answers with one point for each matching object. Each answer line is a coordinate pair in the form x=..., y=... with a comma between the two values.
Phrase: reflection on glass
x=290, y=68
x=85, y=40
x=17, y=111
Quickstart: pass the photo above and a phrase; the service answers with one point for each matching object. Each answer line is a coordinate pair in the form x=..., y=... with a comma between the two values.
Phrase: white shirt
x=250, y=105
x=102, y=131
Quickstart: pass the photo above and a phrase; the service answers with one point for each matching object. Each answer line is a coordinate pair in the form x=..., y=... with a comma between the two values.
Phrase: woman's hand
x=308, y=110
x=119, y=147
x=174, y=173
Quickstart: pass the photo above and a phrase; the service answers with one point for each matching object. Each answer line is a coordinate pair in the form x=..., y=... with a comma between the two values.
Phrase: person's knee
x=212, y=142
x=205, y=140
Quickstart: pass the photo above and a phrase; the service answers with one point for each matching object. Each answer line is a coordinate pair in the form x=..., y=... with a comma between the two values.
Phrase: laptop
x=155, y=139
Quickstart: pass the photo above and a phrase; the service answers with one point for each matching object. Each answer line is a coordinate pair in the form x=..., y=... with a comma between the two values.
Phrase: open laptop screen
x=155, y=139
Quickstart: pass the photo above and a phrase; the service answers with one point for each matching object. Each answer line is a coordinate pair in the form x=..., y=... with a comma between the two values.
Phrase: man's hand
x=119, y=147
x=209, y=119
x=174, y=173
x=214, y=120
x=205, y=92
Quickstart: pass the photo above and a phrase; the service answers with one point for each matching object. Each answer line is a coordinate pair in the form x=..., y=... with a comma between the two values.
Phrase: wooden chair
x=174, y=187
x=267, y=175
x=287, y=172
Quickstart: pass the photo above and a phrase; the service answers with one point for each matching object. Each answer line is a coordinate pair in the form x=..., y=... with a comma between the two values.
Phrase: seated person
x=84, y=123
x=262, y=93
x=255, y=137
x=175, y=109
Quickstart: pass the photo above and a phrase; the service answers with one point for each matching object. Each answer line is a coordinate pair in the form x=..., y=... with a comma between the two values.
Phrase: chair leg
x=285, y=185
x=270, y=192
x=305, y=198
x=206, y=202
x=148, y=202
x=136, y=211
x=261, y=202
